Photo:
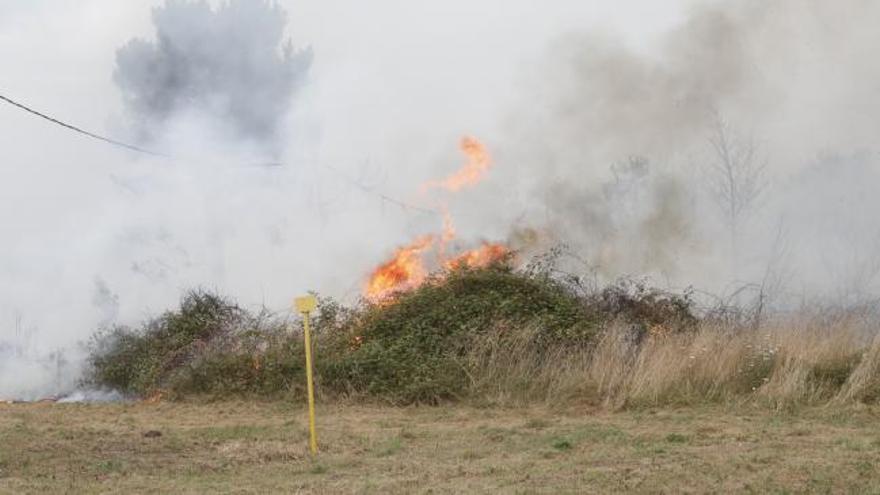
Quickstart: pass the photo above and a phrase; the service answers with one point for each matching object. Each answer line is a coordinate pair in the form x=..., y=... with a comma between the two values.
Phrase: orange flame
x=480, y=257
x=405, y=270
x=478, y=164
x=447, y=236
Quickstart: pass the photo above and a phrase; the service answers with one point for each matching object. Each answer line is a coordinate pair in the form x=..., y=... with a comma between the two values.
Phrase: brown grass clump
x=505, y=366
x=863, y=384
x=783, y=364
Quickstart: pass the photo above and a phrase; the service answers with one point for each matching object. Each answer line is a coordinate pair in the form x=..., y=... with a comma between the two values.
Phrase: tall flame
x=406, y=269
x=478, y=164
x=448, y=234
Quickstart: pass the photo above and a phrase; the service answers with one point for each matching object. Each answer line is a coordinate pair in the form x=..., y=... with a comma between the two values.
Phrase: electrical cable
x=78, y=129
x=402, y=204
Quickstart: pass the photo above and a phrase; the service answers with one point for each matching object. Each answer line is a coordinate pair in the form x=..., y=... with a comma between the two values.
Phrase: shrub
x=146, y=360
x=461, y=333
x=266, y=362
x=650, y=309
x=411, y=349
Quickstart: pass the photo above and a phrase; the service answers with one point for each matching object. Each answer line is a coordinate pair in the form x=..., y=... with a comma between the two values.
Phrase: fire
x=480, y=257
x=405, y=270
x=478, y=164
x=448, y=234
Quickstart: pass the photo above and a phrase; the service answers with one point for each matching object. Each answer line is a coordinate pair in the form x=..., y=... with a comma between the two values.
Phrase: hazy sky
x=393, y=82
x=453, y=61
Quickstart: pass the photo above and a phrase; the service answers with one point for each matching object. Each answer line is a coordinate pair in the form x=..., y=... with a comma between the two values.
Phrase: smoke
x=118, y=236
x=728, y=112
x=229, y=65
x=600, y=119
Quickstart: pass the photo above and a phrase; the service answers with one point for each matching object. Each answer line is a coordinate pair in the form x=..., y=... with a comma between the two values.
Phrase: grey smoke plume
x=230, y=64
x=790, y=80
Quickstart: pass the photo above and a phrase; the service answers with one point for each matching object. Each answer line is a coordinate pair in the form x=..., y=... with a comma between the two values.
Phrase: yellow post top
x=305, y=304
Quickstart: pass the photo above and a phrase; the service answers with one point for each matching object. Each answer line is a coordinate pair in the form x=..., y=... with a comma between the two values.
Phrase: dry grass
x=506, y=368
x=261, y=448
x=783, y=364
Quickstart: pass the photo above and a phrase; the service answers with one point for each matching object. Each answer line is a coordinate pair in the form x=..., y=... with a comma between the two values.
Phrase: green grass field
x=239, y=447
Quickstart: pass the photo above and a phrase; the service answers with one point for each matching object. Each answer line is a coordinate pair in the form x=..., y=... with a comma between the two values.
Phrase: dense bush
x=208, y=344
x=649, y=309
x=411, y=348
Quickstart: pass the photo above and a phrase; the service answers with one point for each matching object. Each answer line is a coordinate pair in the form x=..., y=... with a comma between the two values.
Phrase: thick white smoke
x=782, y=91
x=600, y=123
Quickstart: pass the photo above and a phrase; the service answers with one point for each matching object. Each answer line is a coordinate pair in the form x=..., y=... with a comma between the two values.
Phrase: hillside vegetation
x=498, y=335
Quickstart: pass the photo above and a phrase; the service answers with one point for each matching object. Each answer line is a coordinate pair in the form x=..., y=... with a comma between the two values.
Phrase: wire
x=384, y=197
x=80, y=130
x=402, y=204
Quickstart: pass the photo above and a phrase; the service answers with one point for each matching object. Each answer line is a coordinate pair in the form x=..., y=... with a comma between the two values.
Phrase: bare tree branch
x=736, y=175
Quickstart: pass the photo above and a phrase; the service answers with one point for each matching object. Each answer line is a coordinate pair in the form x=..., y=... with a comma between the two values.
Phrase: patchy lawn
x=241, y=447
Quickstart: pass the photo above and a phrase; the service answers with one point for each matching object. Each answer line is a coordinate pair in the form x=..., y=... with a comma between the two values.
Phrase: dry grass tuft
x=783, y=364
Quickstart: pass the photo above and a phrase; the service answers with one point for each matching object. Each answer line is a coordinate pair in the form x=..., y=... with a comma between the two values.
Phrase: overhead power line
x=131, y=147
x=384, y=197
x=78, y=129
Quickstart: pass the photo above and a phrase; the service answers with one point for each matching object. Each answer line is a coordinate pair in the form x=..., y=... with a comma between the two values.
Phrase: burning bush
x=414, y=346
x=412, y=349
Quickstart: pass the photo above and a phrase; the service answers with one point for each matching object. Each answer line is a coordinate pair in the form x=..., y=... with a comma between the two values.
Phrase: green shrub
x=268, y=363
x=145, y=360
x=409, y=349
x=413, y=348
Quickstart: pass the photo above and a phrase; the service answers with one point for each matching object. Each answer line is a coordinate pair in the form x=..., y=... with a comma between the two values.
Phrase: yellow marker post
x=306, y=305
